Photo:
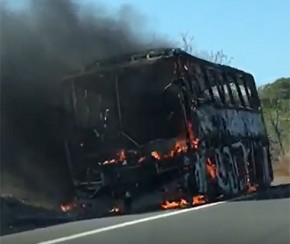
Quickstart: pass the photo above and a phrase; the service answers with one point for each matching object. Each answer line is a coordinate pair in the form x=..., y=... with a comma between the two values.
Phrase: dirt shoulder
x=281, y=170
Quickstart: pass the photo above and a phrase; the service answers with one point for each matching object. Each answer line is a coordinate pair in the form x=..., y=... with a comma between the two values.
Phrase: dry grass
x=282, y=166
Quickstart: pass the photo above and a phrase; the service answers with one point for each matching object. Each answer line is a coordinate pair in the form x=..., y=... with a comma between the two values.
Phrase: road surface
x=250, y=221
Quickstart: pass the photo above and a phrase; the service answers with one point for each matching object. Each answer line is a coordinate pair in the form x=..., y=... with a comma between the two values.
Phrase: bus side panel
x=236, y=143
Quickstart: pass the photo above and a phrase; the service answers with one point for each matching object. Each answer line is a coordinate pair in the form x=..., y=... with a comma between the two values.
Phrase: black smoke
x=39, y=45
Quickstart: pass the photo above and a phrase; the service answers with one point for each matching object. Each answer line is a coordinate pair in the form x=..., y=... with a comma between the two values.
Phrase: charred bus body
x=136, y=123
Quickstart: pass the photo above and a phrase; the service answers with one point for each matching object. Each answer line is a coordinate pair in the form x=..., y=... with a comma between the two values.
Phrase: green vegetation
x=279, y=89
x=275, y=98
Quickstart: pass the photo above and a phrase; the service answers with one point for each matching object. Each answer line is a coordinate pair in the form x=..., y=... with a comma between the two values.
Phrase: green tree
x=276, y=100
x=279, y=89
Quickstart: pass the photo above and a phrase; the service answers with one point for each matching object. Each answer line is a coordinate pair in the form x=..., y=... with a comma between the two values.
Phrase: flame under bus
x=145, y=121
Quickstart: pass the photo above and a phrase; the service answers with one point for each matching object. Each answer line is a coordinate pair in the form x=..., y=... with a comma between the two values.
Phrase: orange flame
x=211, y=168
x=67, y=207
x=179, y=147
x=156, y=155
x=250, y=187
x=196, y=200
x=121, y=156
x=175, y=204
x=199, y=199
x=194, y=141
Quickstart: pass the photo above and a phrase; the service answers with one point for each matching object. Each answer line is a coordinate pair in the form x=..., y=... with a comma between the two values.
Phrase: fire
x=250, y=187
x=196, y=200
x=211, y=168
x=179, y=148
x=156, y=155
x=115, y=210
x=67, y=207
x=175, y=204
x=199, y=199
x=121, y=156
x=110, y=161
x=194, y=141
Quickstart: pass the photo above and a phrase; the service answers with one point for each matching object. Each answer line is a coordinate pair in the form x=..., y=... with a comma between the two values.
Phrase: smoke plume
x=39, y=45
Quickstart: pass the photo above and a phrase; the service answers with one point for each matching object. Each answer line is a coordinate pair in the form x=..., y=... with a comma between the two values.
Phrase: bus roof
x=145, y=57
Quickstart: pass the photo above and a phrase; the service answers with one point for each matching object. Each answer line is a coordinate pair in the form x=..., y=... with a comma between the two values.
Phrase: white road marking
x=121, y=225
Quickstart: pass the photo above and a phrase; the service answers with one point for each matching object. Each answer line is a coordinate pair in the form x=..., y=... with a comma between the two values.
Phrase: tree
x=278, y=89
x=275, y=100
x=188, y=45
x=274, y=111
x=220, y=58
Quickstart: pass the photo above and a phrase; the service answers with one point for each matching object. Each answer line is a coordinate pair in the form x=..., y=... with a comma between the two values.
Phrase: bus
x=159, y=119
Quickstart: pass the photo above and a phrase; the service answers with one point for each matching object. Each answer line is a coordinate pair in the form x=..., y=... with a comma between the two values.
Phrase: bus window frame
x=219, y=81
x=241, y=98
x=207, y=84
x=227, y=83
x=212, y=78
x=245, y=87
x=192, y=71
x=254, y=97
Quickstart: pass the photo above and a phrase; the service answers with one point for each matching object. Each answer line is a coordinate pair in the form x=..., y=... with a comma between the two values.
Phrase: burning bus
x=148, y=121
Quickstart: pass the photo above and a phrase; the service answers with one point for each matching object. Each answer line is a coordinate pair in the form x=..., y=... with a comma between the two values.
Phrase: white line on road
x=121, y=225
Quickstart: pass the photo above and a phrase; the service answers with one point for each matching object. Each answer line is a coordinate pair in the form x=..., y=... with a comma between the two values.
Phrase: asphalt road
x=252, y=221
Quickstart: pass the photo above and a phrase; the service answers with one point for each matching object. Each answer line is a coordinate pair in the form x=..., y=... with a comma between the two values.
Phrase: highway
x=247, y=221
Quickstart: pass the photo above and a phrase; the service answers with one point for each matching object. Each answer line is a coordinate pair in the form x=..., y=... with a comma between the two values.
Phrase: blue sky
x=256, y=33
